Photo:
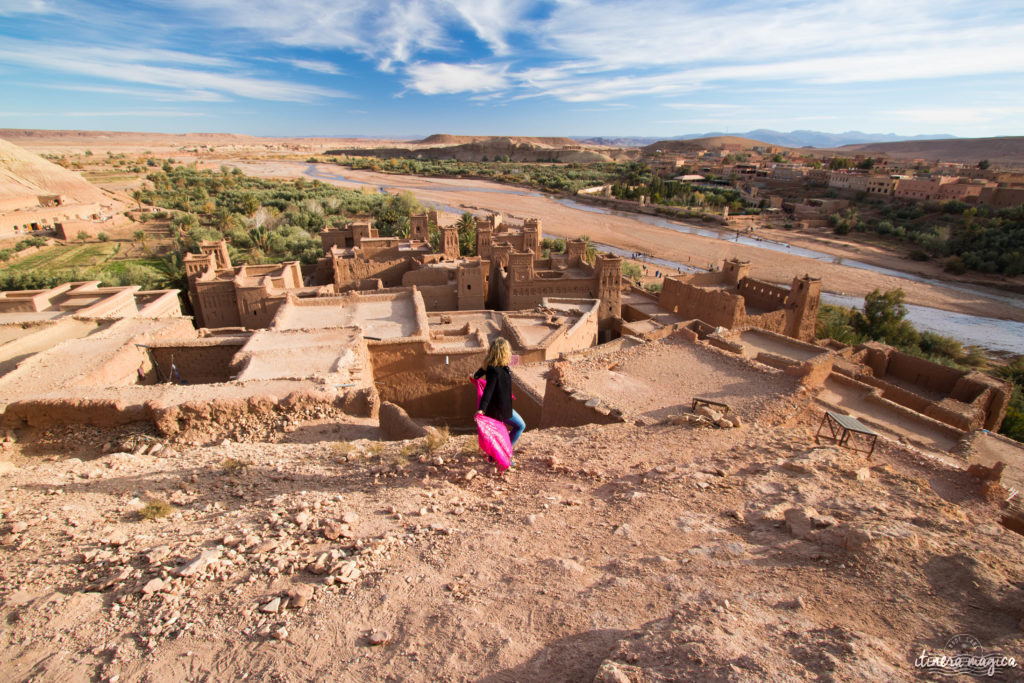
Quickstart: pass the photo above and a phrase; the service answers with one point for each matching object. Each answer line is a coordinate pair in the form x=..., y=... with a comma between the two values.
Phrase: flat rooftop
x=662, y=378
x=330, y=355
x=380, y=317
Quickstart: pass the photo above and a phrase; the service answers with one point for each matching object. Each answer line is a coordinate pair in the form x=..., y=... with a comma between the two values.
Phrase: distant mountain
x=1002, y=151
x=796, y=138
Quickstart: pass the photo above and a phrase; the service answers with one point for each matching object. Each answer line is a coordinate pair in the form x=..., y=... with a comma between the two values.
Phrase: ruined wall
x=565, y=409
x=923, y=373
x=426, y=383
x=775, y=321
x=202, y=362
x=715, y=307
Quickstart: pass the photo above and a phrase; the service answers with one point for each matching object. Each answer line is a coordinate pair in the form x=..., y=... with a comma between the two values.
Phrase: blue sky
x=513, y=67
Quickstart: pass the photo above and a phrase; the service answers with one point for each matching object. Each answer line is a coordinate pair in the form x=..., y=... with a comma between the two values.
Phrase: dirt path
x=635, y=235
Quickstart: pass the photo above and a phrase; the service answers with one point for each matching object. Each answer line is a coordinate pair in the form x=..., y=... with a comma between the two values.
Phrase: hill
x=24, y=173
x=727, y=142
x=1001, y=150
x=444, y=139
x=488, y=148
x=796, y=138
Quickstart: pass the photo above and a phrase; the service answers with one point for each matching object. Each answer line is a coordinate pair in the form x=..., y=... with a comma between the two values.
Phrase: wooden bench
x=698, y=401
x=842, y=429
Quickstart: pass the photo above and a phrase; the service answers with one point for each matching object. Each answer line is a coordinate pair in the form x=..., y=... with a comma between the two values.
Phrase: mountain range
x=796, y=138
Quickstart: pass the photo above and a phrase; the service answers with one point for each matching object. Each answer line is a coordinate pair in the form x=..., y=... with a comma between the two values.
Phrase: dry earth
x=617, y=553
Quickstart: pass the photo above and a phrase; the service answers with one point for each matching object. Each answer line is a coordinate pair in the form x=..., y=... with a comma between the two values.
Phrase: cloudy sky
x=564, y=67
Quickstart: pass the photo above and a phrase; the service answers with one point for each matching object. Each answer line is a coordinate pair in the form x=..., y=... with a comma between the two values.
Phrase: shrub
x=103, y=237
x=436, y=439
x=155, y=509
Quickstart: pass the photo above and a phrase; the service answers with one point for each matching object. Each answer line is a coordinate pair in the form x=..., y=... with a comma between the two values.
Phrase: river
x=993, y=334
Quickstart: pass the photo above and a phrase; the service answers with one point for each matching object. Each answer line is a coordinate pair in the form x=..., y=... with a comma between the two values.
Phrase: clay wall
x=715, y=307
x=531, y=293
x=564, y=409
x=257, y=306
x=439, y=297
x=206, y=361
x=527, y=403
x=762, y=294
x=428, y=276
x=216, y=304
x=425, y=383
x=389, y=271
x=923, y=373
x=775, y=321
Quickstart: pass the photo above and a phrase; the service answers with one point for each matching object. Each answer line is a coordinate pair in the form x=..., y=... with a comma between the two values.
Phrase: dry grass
x=233, y=465
x=156, y=509
x=436, y=439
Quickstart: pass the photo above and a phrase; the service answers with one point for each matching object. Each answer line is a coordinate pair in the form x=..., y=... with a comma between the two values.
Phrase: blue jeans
x=516, y=427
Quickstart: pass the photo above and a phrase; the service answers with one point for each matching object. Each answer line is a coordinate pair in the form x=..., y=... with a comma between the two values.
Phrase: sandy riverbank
x=632, y=234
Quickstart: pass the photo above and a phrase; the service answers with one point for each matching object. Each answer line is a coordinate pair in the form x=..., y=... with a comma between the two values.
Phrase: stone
x=299, y=595
x=350, y=518
x=205, y=559
x=18, y=527
x=424, y=512
x=378, y=638
x=333, y=531
x=798, y=520
x=470, y=474
x=271, y=607
x=736, y=421
x=723, y=423
x=157, y=554
x=622, y=530
x=709, y=413
x=863, y=474
x=280, y=633
x=303, y=517
x=153, y=586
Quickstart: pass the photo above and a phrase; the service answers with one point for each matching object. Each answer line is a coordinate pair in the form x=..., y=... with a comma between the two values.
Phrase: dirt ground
x=634, y=235
x=615, y=553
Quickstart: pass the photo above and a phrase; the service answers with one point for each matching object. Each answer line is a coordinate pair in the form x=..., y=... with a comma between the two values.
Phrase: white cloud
x=158, y=95
x=11, y=7
x=315, y=65
x=437, y=79
x=133, y=66
x=957, y=115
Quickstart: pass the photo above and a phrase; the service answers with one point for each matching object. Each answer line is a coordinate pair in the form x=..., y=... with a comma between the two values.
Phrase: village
x=355, y=367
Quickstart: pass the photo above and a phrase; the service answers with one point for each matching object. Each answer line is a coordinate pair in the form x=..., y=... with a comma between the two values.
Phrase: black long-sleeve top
x=496, y=401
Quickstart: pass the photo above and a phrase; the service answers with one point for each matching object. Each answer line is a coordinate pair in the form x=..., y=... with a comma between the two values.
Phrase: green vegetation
x=548, y=177
x=883, y=319
x=264, y=221
x=966, y=237
x=632, y=271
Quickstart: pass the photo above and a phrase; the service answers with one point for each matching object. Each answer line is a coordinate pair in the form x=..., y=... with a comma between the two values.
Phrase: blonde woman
x=496, y=401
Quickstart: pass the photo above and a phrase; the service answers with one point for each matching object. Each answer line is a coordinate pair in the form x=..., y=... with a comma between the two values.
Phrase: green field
x=96, y=261
x=68, y=257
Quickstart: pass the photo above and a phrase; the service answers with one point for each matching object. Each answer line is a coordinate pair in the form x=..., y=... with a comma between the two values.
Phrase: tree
x=103, y=237
x=137, y=196
x=140, y=237
x=590, y=252
x=984, y=164
x=867, y=164
x=883, y=319
x=467, y=234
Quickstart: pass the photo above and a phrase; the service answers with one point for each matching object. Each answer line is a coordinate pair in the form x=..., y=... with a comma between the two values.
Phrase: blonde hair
x=500, y=353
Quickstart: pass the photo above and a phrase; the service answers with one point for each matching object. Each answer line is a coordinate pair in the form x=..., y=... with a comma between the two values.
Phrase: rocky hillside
x=24, y=173
x=610, y=553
